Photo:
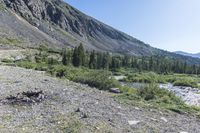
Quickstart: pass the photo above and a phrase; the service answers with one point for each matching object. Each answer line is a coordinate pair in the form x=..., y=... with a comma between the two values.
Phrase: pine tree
x=64, y=57
x=69, y=56
x=81, y=55
x=50, y=61
x=92, y=62
x=151, y=64
x=106, y=60
x=75, y=60
x=99, y=60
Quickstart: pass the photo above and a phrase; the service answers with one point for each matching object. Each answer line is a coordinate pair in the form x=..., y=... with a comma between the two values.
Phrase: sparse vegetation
x=27, y=64
x=9, y=41
x=186, y=82
x=7, y=60
x=2, y=7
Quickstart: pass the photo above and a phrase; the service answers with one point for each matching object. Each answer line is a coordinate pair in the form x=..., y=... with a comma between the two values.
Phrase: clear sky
x=167, y=24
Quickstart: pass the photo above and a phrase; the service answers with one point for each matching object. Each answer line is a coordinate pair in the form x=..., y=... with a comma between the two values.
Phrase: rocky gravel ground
x=70, y=107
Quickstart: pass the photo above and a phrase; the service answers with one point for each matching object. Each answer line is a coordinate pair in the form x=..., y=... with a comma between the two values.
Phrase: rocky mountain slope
x=55, y=22
x=31, y=23
x=65, y=106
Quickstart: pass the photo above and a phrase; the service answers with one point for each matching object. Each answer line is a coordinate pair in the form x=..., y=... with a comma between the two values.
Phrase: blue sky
x=168, y=24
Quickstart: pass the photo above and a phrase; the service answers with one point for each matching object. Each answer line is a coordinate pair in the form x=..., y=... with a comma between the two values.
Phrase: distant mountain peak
x=197, y=55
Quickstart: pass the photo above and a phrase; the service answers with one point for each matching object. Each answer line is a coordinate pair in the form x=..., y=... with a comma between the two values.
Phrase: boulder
x=115, y=90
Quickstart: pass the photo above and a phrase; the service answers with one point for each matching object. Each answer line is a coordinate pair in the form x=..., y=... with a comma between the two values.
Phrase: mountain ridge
x=56, y=24
x=58, y=15
x=195, y=55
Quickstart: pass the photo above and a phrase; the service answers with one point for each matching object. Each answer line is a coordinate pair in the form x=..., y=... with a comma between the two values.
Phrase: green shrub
x=41, y=67
x=149, y=77
x=95, y=78
x=126, y=89
x=57, y=70
x=26, y=64
x=7, y=60
x=170, y=79
x=68, y=72
x=153, y=92
x=130, y=97
x=99, y=79
x=52, y=61
x=186, y=82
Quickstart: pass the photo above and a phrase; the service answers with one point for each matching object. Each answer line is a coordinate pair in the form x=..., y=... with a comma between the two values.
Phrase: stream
x=191, y=96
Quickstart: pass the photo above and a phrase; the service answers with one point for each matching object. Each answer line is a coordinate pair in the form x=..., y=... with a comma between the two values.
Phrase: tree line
x=99, y=60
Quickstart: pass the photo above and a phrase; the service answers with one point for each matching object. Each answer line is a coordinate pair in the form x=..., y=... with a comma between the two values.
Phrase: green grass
x=186, y=82
x=32, y=65
x=72, y=127
x=2, y=7
x=10, y=41
x=7, y=61
x=26, y=64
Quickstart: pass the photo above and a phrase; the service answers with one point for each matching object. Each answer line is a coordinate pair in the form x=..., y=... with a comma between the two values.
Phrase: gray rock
x=115, y=90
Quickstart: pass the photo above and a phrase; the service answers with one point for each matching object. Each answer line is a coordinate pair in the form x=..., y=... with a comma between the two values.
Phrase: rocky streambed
x=191, y=96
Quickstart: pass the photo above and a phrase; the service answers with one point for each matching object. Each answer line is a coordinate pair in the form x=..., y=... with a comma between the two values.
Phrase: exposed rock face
x=55, y=16
x=57, y=24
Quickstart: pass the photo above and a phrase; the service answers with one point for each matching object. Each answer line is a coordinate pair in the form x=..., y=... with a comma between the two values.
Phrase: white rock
x=115, y=90
x=119, y=107
x=153, y=119
x=133, y=122
x=137, y=108
x=164, y=119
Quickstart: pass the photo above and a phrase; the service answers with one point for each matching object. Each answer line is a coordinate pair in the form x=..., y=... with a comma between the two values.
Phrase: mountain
x=31, y=23
x=56, y=23
x=197, y=55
